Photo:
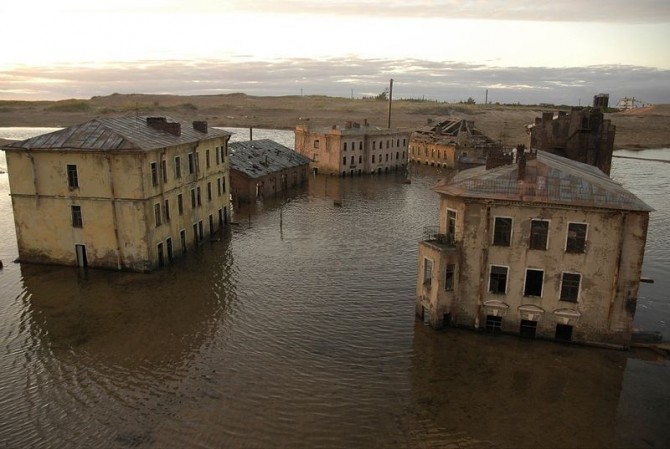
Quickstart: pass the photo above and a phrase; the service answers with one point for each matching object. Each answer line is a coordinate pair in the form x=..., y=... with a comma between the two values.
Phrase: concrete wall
x=609, y=267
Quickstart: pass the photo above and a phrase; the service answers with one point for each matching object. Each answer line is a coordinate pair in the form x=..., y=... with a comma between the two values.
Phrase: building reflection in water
x=480, y=390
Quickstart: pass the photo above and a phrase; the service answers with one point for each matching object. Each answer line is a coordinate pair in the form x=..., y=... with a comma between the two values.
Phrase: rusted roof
x=262, y=157
x=115, y=133
x=549, y=179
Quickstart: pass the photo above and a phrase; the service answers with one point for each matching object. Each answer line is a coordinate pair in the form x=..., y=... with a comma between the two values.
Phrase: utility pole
x=390, y=100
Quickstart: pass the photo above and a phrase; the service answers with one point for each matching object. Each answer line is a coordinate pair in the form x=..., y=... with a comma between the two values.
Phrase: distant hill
x=636, y=128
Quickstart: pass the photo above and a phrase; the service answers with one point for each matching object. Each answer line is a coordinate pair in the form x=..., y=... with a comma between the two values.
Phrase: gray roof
x=115, y=133
x=258, y=158
x=549, y=179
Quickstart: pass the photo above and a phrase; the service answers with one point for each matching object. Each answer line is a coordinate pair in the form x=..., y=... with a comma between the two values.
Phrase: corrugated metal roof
x=549, y=179
x=115, y=133
x=258, y=158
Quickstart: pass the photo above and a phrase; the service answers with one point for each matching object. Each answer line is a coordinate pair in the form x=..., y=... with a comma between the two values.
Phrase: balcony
x=431, y=234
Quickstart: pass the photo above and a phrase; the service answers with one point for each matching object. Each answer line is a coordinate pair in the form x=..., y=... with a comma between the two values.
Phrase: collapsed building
x=582, y=135
x=451, y=143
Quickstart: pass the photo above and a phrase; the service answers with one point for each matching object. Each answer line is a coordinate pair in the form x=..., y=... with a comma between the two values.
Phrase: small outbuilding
x=263, y=168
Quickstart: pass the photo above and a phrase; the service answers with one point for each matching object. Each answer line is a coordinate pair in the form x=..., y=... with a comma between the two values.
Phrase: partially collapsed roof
x=121, y=133
x=453, y=130
x=257, y=158
x=548, y=179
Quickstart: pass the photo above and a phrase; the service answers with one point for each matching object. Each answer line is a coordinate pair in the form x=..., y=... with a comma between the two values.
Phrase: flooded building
x=583, y=134
x=353, y=149
x=450, y=143
x=264, y=168
x=541, y=247
x=126, y=193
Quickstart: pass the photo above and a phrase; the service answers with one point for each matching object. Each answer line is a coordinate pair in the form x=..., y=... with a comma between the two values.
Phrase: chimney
x=521, y=162
x=161, y=124
x=200, y=125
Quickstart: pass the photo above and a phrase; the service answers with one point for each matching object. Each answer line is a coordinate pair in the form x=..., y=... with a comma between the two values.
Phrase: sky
x=519, y=51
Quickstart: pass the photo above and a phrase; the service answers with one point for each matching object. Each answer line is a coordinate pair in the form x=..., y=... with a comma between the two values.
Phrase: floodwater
x=304, y=336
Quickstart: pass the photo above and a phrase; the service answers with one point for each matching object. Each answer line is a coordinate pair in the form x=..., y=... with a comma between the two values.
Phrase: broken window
x=157, y=214
x=344, y=146
x=344, y=160
x=534, y=282
x=218, y=156
x=164, y=170
x=528, y=328
x=72, y=178
x=498, y=280
x=207, y=158
x=177, y=167
x=449, y=278
x=167, y=210
x=316, y=143
x=570, y=286
x=154, y=174
x=427, y=272
x=209, y=191
x=193, y=199
x=576, y=241
x=539, y=232
x=180, y=204
x=77, y=221
x=563, y=332
x=502, y=231
x=451, y=225
x=191, y=164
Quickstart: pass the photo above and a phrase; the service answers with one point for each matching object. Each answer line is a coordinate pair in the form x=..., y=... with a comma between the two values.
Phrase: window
x=218, y=157
x=167, y=211
x=164, y=170
x=387, y=157
x=427, y=272
x=197, y=191
x=563, y=332
x=570, y=286
x=207, y=158
x=502, y=231
x=387, y=144
x=72, y=178
x=360, y=159
x=182, y=240
x=170, y=254
x=344, y=160
x=449, y=278
x=373, y=158
x=498, y=280
x=576, y=242
x=493, y=323
x=316, y=143
x=345, y=146
x=195, y=233
x=534, y=281
x=154, y=174
x=209, y=191
x=352, y=160
x=527, y=328
x=539, y=231
x=374, y=145
x=218, y=186
x=193, y=199
x=191, y=164
x=197, y=162
x=180, y=204
x=360, y=145
x=397, y=155
x=223, y=184
x=157, y=213
x=177, y=167
x=404, y=142
x=397, y=143
x=201, y=231
x=451, y=225
x=76, y=217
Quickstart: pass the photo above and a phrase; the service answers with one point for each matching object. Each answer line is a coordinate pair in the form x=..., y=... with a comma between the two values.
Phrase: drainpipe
x=115, y=219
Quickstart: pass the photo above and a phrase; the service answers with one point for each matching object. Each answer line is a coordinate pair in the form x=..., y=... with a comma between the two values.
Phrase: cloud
x=413, y=78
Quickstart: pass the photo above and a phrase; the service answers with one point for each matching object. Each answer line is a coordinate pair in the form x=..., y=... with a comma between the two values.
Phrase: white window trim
x=546, y=245
x=511, y=231
x=525, y=276
x=446, y=221
x=432, y=268
x=579, y=287
x=567, y=233
x=488, y=288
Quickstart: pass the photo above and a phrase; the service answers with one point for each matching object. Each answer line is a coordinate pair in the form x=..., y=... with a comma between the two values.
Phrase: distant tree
x=470, y=100
x=382, y=96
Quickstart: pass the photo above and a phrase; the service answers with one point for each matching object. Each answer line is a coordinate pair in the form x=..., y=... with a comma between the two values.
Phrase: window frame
x=496, y=234
x=77, y=216
x=531, y=241
x=525, y=280
x=177, y=167
x=449, y=277
x=154, y=173
x=583, y=243
x=427, y=271
x=157, y=214
x=491, y=278
x=578, y=288
x=72, y=176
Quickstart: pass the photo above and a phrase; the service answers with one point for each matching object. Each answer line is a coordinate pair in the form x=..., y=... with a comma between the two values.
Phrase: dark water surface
x=305, y=337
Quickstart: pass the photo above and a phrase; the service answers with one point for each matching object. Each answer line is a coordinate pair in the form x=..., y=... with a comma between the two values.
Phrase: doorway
x=82, y=260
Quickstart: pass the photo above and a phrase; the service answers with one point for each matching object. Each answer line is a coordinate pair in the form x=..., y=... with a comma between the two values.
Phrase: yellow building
x=126, y=193
x=353, y=149
x=545, y=247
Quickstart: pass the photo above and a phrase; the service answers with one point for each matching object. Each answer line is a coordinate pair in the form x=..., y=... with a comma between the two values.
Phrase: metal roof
x=116, y=133
x=549, y=179
x=262, y=157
